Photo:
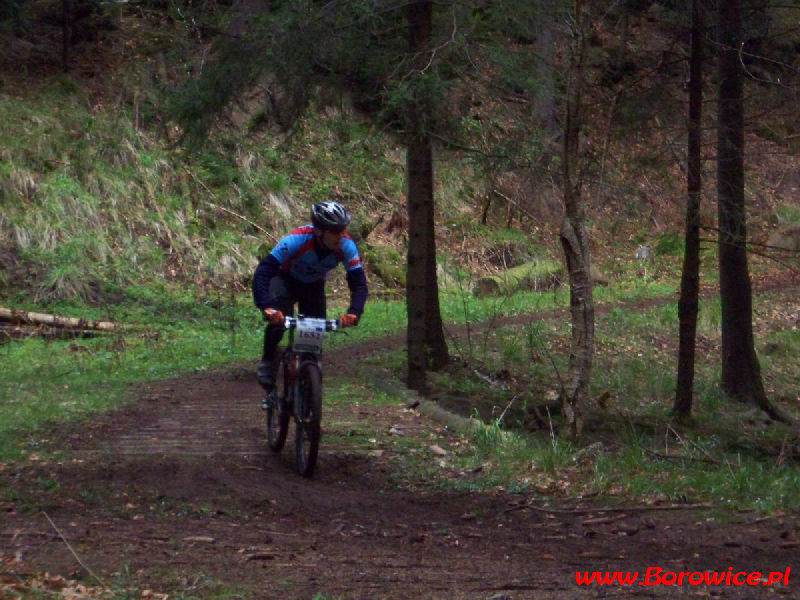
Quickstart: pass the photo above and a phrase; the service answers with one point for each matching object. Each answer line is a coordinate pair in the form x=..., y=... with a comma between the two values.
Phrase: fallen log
x=535, y=275
x=33, y=318
x=538, y=275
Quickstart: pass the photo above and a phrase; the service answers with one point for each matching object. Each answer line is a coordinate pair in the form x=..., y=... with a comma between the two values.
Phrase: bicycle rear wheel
x=308, y=416
x=277, y=412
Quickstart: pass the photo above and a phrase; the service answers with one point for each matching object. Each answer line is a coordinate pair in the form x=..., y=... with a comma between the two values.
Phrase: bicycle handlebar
x=330, y=324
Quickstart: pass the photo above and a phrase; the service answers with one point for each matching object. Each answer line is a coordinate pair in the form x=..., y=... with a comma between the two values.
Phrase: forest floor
x=177, y=495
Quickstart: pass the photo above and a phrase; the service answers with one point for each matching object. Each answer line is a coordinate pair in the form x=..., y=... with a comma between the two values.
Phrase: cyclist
x=295, y=272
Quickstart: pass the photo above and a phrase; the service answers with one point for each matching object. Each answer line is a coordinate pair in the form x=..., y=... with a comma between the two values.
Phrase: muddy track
x=178, y=493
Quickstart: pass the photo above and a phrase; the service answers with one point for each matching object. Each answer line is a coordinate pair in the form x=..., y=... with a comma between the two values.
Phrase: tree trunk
x=576, y=387
x=741, y=373
x=66, y=33
x=690, y=276
x=545, y=99
x=576, y=250
x=427, y=347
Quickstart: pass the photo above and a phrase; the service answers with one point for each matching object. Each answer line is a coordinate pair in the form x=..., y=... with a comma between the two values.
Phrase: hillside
x=97, y=195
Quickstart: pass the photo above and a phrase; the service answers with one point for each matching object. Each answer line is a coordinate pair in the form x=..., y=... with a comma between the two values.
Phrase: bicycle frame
x=304, y=345
x=300, y=396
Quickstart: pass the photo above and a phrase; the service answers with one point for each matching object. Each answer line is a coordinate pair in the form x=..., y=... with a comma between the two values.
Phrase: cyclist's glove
x=348, y=320
x=274, y=317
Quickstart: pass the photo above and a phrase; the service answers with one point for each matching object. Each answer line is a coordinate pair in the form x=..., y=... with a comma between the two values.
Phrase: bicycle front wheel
x=308, y=416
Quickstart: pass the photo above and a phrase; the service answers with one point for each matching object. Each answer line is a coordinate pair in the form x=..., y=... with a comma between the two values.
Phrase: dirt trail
x=179, y=494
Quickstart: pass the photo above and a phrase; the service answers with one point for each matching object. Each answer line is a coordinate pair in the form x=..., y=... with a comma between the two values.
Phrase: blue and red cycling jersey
x=299, y=256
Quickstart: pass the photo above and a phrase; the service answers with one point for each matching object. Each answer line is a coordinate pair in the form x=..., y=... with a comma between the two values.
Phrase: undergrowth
x=729, y=456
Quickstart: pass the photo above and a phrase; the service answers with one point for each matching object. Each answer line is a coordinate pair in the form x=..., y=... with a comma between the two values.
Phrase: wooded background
x=551, y=104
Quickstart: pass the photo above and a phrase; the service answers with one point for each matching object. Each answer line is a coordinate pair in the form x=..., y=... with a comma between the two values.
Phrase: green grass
x=698, y=470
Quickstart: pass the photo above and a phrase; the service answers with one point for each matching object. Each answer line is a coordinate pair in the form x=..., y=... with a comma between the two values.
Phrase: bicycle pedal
x=268, y=401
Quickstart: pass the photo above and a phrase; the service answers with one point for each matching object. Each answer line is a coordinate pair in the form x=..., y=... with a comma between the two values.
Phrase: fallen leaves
x=46, y=585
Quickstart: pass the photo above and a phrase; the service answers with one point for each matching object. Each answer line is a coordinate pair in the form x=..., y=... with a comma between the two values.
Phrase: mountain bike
x=298, y=391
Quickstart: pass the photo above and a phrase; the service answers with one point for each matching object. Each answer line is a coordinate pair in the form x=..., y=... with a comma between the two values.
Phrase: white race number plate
x=308, y=335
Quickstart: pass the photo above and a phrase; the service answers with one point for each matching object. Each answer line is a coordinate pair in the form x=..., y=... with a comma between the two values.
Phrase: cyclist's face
x=332, y=238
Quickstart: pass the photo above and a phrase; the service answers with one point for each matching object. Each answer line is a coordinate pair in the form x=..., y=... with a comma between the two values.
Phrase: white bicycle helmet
x=329, y=215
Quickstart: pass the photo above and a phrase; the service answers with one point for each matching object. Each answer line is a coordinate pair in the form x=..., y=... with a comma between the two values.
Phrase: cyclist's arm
x=356, y=279
x=357, y=282
x=268, y=268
